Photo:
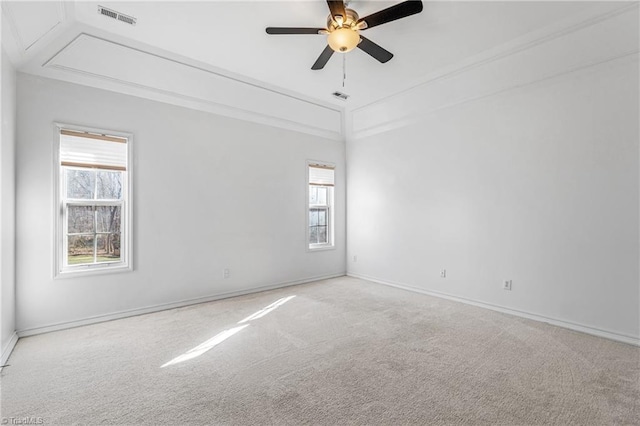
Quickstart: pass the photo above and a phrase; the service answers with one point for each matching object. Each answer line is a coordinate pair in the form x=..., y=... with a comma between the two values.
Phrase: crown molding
x=406, y=107
x=20, y=50
x=192, y=85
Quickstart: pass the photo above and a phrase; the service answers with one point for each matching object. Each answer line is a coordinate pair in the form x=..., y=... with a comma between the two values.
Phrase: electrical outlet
x=506, y=285
x=355, y=258
x=443, y=273
x=225, y=273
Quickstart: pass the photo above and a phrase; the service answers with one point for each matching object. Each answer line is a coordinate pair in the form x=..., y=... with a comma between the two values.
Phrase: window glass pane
x=80, y=249
x=313, y=217
x=322, y=195
x=108, y=248
x=109, y=185
x=80, y=219
x=320, y=198
x=322, y=234
x=322, y=217
x=313, y=195
x=108, y=219
x=80, y=183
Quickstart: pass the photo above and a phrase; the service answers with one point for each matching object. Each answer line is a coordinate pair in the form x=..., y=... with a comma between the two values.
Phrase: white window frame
x=330, y=244
x=61, y=269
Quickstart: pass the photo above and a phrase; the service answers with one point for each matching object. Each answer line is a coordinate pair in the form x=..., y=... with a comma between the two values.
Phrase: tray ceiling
x=228, y=38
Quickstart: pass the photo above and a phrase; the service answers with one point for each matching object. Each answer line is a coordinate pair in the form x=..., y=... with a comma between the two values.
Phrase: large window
x=93, y=202
x=320, y=221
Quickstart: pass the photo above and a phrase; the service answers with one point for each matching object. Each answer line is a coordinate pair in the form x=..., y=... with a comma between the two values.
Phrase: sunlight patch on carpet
x=264, y=311
x=224, y=335
x=204, y=347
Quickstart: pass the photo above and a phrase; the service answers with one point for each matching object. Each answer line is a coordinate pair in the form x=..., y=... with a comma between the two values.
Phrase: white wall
x=209, y=193
x=7, y=212
x=537, y=184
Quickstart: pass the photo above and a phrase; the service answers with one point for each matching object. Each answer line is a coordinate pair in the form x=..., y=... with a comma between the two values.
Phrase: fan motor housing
x=350, y=20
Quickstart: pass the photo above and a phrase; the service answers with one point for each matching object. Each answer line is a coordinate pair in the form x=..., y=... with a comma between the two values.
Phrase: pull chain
x=344, y=69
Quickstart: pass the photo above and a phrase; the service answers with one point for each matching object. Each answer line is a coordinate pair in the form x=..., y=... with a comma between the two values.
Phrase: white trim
x=619, y=337
x=18, y=52
x=165, y=306
x=544, y=35
x=172, y=98
x=59, y=244
x=199, y=67
x=149, y=92
x=17, y=37
x=331, y=245
x=387, y=113
x=8, y=348
x=416, y=117
x=320, y=247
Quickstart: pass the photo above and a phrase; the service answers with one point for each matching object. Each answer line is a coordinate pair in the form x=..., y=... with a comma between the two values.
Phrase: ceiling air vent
x=116, y=15
x=340, y=95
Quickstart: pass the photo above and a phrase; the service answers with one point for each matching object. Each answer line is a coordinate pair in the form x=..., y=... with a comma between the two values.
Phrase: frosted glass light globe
x=343, y=40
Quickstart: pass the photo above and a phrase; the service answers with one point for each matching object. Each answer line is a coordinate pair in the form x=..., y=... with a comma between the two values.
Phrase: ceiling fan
x=344, y=26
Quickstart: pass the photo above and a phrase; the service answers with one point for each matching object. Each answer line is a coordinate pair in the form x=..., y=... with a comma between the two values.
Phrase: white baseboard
x=8, y=348
x=162, y=307
x=632, y=340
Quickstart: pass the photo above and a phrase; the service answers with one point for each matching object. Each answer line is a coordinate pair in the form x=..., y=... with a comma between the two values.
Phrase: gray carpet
x=342, y=351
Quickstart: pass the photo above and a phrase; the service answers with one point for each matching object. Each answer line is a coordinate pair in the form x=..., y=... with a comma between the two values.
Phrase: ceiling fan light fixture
x=343, y=40
x=344, y=24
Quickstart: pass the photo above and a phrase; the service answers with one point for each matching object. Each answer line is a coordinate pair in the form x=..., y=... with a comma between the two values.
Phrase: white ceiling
x=229, y=36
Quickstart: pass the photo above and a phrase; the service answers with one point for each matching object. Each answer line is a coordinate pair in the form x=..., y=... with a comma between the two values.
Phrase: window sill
x=90, y=271
x=321, y=248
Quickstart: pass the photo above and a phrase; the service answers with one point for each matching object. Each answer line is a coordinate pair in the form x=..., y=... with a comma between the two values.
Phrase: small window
x=93, y=203
x=320, y=220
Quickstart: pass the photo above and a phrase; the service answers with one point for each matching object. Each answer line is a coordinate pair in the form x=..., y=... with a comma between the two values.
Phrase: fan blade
x=323, y=58
x=337, y=8
x=281, y=30
x=374, y=50
x=398, y=11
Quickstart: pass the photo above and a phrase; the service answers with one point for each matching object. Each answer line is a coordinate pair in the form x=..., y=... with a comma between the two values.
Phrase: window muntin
x=93, y=215
x=320, y=220
x=94, y=202
x=318, y=215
